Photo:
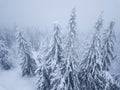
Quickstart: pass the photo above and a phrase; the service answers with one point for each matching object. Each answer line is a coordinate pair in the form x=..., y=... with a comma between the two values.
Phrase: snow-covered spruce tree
x=28, y=65
x=4, y=53
x=58, y=69
x=91, y=76
x=108, y=57
x=108, y=47
x=69, y=76
x=53, y=59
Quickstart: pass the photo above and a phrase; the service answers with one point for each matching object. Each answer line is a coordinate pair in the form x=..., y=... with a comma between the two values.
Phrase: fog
x=76, y=59
x=42, y=13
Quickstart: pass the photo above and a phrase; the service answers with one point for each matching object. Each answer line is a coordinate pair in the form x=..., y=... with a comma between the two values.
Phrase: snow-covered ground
x=12, y=80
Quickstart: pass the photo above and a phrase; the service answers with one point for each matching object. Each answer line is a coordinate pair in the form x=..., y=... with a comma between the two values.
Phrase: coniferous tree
x=58, y=67
x=52, y=59
x=108, y=47
x=108, y=56
x=4, y=53
x=69, y=79
x=28, y=65
x=91, y=76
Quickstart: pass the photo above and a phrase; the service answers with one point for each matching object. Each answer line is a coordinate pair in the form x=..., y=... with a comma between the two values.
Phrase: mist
x=43, y=13
x=59, y=44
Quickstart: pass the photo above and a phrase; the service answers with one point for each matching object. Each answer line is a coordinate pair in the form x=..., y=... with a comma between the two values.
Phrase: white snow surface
x=12, y=80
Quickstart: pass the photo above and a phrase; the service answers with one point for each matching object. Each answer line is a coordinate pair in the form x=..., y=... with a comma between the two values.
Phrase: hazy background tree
x=5, y=62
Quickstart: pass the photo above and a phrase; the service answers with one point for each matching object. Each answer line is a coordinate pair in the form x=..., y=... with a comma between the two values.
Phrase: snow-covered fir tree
x=4, y=54
x=52, y=61
x=108, y=56
x=91, y=76
x=68, y=71
x=58, y=69
x=28, y=65
x=108, y=47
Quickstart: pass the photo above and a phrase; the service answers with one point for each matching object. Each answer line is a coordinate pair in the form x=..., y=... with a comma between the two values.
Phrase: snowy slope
x=12, y=80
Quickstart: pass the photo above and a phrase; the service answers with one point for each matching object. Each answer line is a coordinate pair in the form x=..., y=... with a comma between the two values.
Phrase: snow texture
x=12, y=80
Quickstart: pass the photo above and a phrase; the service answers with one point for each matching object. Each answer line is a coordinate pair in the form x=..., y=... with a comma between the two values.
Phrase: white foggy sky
x=42, y=13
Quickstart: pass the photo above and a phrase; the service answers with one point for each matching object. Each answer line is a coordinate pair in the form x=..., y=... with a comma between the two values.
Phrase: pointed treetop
x=72, y=25
x=112, y=24
x=98, y=26
x=99, y=23
x=20, y=36
x=56, y=34
x=110, y=31
x=73, y=12
x=72, y=21
x=18, y=29
x=56, y=28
